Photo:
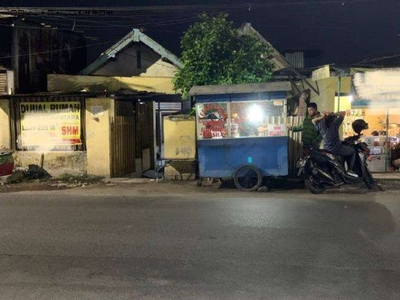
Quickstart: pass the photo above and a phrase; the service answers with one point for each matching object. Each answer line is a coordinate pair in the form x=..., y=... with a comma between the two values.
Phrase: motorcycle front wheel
x=314, y=185
x=370, y=182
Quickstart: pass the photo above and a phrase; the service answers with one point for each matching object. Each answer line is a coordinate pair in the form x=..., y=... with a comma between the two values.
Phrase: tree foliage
x=213, y=52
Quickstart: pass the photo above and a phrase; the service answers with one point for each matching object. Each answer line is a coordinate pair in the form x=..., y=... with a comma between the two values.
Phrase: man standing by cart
x=311, y=137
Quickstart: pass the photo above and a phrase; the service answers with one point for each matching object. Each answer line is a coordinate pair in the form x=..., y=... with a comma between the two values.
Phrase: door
x=123, y=139
x=145, y=136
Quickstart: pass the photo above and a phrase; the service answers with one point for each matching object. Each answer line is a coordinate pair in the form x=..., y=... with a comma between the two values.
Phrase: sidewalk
x=391, y=180
x=386, y=176
x=388, y=180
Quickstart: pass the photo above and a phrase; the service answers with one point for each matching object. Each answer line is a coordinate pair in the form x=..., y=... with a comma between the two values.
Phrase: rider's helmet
x=359, y=125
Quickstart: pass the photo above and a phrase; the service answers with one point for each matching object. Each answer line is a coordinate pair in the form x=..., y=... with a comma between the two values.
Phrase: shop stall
x=382, y=137
x=376, y=99
x=241, y=132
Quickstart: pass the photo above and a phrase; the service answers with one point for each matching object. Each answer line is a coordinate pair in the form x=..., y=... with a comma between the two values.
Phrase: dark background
x=345, y=31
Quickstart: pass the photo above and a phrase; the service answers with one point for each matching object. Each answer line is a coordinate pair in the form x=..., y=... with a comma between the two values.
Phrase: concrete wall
x=99, y=113
x=126, y=61
x=56, y=163
x=180, y=143
x=5, y=140
x=160, y=69
x=328, y=87
x=179, y=138
x=94, y=161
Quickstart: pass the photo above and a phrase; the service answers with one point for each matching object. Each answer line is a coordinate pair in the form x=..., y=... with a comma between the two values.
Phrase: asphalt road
x=177, y=241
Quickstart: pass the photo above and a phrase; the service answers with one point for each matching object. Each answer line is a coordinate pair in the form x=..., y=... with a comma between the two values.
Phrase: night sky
x=345, y=31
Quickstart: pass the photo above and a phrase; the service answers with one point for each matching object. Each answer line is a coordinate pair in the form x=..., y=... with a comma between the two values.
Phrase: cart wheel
x=200, y=182
x=247, y=178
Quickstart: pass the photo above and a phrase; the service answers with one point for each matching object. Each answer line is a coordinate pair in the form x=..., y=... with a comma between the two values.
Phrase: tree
x=215, y=53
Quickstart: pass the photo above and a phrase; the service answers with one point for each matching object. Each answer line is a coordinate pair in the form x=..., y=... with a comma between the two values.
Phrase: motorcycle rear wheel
x=313, y=185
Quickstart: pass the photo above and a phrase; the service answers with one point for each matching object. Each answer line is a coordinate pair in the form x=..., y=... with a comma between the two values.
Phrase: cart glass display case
x=241, y=119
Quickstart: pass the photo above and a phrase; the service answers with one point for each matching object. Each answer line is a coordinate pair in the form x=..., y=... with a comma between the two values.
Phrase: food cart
x=241, y=132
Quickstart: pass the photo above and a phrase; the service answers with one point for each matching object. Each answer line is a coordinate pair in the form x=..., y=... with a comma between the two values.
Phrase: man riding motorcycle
x=328, y=125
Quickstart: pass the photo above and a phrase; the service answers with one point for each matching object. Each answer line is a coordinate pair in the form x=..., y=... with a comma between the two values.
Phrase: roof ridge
x=135, y=35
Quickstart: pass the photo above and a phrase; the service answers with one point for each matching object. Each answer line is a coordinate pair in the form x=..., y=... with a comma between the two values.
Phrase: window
x=241, y=119
x=212, y=120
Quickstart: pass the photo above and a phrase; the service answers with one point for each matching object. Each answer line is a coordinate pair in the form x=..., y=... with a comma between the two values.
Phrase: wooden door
x=123, y=139
x=145, y=134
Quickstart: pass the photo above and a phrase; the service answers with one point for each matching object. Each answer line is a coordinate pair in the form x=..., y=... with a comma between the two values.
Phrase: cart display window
x=257, y=118
x=212, y=120
x=241, y=119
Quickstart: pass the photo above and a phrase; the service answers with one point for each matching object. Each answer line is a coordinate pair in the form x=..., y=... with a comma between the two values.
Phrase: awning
x=366, y=103
x=376, y=89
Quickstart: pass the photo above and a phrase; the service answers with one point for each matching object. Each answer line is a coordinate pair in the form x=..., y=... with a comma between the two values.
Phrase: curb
x=127, y=180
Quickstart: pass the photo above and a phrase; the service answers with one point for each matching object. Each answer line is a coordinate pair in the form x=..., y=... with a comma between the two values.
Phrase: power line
x=66, y=23
x=143, y=18
x=80, y=47
x=126, y=24
x=59, y=50
x=316, y=2
x=103, y=10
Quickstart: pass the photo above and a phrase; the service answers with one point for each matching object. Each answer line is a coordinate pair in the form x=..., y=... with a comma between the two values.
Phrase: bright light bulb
x=255, y=114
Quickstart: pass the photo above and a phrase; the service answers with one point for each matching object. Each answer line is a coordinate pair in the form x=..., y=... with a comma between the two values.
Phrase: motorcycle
x=322, y=169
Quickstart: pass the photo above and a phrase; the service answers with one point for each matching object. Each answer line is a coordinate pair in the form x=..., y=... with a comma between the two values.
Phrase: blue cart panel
x=219, y=158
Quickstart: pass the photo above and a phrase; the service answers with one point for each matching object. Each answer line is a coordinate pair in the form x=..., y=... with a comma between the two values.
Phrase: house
x=134, y=64
x=31, y=50
x=105, y=121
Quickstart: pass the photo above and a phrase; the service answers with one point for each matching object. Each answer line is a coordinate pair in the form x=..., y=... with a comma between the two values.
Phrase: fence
x=295, y=148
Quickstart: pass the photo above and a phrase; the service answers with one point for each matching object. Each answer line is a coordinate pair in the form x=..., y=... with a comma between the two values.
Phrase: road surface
x=178, y=241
